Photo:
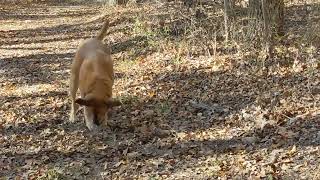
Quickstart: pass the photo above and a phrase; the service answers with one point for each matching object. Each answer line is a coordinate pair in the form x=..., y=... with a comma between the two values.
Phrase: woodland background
x=211, y=90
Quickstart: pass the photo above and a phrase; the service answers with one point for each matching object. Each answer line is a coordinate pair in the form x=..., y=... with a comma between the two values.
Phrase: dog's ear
x=85, y=102
x=112, y=102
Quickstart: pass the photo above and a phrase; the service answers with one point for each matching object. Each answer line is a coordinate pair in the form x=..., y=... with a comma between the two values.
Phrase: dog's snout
x=95, y=120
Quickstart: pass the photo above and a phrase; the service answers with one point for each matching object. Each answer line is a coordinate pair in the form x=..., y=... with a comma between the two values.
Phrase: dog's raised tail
x=104, y=29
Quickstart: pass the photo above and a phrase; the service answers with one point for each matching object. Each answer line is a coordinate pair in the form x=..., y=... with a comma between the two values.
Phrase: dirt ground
x=191, y=117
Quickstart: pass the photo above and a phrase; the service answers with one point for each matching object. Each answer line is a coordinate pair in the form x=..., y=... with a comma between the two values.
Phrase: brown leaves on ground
x=187, y=113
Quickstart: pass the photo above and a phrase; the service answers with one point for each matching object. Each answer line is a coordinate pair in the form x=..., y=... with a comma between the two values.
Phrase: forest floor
x=188, y=112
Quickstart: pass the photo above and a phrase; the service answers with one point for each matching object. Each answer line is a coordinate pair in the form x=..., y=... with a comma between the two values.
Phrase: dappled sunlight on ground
x=189, y=110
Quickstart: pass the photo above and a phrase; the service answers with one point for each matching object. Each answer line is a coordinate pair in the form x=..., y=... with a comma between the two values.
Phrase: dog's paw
x=72, y=118
x=92, y=127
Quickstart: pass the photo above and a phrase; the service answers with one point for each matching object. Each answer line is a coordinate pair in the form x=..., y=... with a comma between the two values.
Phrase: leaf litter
x=186, y=114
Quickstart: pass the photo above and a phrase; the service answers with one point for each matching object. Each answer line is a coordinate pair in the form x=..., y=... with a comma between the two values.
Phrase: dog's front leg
x=88, y=116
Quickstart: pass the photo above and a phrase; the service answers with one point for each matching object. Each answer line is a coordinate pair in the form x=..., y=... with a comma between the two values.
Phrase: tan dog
x=92, y=72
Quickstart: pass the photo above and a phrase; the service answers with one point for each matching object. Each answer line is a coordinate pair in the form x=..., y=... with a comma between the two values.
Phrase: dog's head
x=97, y=110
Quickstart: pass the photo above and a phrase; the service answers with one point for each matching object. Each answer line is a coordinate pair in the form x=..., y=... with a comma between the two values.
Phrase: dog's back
x=90, y=46
x=97, y=66
x=95, y=63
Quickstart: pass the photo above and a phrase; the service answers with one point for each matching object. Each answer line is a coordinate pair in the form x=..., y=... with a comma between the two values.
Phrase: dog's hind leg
x=72, y=93
x=74, y=84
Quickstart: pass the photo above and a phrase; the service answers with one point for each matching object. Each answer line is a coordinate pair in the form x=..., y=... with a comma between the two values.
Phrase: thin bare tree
x=266, y=27
x=226, y=19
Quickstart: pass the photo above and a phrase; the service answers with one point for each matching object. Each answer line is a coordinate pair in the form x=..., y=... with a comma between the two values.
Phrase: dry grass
x=194, y=106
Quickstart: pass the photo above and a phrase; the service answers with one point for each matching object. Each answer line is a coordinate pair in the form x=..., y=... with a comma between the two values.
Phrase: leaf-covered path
x=183, y=117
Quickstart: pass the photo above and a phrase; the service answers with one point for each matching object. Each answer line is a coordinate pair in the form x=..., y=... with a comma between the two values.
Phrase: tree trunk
x=275, y=9
x=266, y=22
x=255, y=10
x=278, y=17
x=226, y=19
x=115, y=2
